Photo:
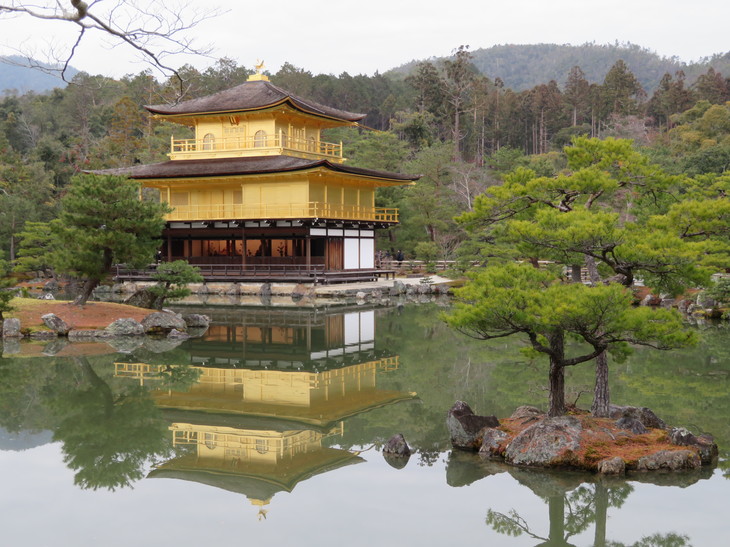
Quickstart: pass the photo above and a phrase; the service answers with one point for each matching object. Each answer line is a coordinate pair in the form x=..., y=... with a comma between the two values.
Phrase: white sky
x=364, y=36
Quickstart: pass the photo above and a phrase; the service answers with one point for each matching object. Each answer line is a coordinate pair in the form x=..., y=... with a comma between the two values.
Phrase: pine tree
x=103, y=222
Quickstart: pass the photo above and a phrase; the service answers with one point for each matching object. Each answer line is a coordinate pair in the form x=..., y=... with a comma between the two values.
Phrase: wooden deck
x=264, y=273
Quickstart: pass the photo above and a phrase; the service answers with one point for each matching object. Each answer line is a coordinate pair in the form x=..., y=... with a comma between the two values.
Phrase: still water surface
x=268, y=431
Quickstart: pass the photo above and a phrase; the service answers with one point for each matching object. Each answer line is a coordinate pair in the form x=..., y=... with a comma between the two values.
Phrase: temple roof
x=253, y=95
x=222, y=167
x=257, y=481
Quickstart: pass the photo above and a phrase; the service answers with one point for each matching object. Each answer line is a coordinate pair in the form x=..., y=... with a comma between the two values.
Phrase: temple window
x=209, y=141
x=262, y=446
x=259, y=139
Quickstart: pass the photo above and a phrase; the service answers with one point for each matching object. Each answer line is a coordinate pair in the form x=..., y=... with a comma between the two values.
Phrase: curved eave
x=188, y=118
x=395, y=178
x=228, y=167
x=256, y=481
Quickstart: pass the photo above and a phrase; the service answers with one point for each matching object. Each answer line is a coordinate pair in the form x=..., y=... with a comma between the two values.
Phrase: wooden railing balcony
x=261, y=145
x=289, y=211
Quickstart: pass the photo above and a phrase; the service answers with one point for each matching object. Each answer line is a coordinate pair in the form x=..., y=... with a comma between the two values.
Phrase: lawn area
x=93, y=315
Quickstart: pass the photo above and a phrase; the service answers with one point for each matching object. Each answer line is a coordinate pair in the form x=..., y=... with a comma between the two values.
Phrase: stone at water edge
x=125, y=326
x=612, y=466
x=163, y=322
x=11, y=328
x=396, y=452
x=671, y=460
x=398, y=288
x=491, y=441
x=705, y=444
x=464, y=426
x=56, y=324
x=397, y=446
x=550, y=442
x=196, y=320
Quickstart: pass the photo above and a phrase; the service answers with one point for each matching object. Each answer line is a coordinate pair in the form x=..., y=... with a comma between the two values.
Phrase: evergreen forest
x=445, y=119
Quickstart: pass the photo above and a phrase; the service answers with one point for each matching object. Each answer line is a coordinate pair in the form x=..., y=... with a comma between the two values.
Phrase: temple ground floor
x=298, y=251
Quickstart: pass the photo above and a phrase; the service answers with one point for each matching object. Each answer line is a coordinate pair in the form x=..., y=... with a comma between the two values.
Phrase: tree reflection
x=108, y=435
x=572, y=512
x=178, y=377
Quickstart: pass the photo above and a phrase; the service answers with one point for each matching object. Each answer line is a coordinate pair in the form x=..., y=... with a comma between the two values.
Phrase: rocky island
x=631, y=439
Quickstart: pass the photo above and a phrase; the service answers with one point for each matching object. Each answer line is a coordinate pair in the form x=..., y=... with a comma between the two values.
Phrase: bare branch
x=156, y=31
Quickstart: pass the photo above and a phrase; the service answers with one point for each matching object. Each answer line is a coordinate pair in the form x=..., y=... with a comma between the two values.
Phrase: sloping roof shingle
x=219, y=167
x=248, y=96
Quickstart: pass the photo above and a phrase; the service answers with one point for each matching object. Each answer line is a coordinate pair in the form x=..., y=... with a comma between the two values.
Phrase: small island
x=630, y=439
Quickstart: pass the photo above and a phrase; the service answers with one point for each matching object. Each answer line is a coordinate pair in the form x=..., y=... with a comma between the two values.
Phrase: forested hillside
x=461, y=130
x=14, y=75
x=522, y=67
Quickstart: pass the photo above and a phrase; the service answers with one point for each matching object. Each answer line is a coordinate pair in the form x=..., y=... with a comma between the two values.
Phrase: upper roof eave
x=248, y=97
x=227, y=167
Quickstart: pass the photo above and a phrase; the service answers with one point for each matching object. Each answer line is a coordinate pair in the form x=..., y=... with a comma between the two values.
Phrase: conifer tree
x=103, y=222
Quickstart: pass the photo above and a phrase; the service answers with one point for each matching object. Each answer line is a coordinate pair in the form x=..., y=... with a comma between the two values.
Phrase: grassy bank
x=93, y=315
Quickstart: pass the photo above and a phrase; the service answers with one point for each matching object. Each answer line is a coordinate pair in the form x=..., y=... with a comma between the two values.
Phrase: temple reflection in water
x=270, y=386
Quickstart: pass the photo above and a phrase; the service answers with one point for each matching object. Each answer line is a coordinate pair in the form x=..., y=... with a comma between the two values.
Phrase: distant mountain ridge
x=524, y=66
x=23, y=440
x=520, y=67
x=15, y=76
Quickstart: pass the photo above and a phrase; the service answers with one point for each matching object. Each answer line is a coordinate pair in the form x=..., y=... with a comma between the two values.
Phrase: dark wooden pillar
x=169, y=248
x=308, y=251
x=243, y=247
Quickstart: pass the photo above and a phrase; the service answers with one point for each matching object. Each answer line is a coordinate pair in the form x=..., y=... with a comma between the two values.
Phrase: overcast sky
x=364, y=36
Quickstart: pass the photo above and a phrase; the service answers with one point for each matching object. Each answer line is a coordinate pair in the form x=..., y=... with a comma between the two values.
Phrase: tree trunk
x=87, y=289
x=556, y=510
x=97, y=383
x=556, y=396
x=575, y=273
x=601, y=504
x=457, y=130
x=601, y=395
x=557, y=390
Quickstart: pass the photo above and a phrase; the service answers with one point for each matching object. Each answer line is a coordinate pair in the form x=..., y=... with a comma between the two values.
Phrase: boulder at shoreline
x=633, y=439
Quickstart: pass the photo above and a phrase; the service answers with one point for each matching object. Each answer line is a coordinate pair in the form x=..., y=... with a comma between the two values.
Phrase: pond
x=268, y=430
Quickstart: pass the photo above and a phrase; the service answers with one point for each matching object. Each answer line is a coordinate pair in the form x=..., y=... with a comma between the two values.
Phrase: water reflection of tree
x=22, y=383
x=571, y=513
x=108, y=435
x=178, y=377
